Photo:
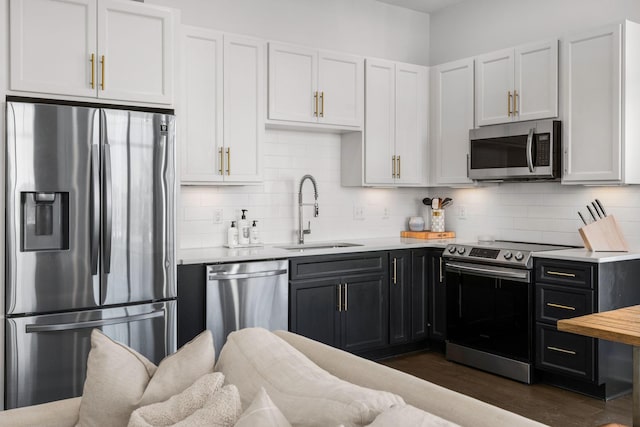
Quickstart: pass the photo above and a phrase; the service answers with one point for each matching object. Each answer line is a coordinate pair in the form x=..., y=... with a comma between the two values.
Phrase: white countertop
x=222, y=254
x=272, y=251
x=584, y=255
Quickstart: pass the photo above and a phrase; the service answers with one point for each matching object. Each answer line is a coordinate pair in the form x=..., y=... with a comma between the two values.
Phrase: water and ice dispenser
x=45, y=221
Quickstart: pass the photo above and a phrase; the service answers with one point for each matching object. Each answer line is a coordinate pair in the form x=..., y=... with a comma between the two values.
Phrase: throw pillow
x=407, y=415
x=119, y=379
x=262, y=413
x=204, y=403
x=305, y=393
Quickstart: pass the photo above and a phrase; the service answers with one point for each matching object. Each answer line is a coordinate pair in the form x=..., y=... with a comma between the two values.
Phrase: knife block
x=604, y=235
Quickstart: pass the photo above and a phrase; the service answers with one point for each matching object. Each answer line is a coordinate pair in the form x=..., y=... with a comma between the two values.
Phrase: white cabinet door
x=202, y=156
x=51, y=46
x=592, y=137
x=536, y=81
x=341, y=88
x=135, y=43
x=411, y=124
x=380, y=115
x=452, y=94
x=494, y=87
x=244, y=92
x=292, y=83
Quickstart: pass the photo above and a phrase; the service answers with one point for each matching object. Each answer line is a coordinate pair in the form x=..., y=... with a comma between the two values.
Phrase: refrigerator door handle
x=108, y=209
x=95, y=208
x=93, y=323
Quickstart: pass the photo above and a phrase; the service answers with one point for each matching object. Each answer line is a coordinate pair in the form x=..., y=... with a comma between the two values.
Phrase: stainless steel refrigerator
x=90, y=201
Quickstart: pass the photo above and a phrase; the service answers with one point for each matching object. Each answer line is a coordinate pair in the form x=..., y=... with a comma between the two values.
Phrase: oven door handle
x=495, y=272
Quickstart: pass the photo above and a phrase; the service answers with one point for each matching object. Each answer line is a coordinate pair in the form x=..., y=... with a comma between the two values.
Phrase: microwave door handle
x=530, y=150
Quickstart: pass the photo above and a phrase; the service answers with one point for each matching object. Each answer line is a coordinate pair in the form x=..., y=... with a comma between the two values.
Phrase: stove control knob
x=519, y=256
x=507, y=255
x=452, y=249
x=461, y=250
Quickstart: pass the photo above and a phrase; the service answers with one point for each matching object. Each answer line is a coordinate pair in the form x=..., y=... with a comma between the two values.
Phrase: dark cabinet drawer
x=564, y=352
x=555, y=302
x=313, y=267
x=565, y=273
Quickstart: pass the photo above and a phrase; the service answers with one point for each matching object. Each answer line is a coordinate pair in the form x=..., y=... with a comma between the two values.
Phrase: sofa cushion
x=305, y=393
x=204, y=403
x=120, y=379
x=407, y=415
x=262, y=413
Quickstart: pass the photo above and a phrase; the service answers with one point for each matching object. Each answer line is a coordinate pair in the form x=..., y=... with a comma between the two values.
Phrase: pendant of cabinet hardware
x=92, y=59
x=221, y=170
x=513, y=98
x=395, y=167
x=342, y=302
x=318, y=97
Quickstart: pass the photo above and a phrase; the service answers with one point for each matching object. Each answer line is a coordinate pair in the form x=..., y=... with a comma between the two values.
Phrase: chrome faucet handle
x=307, y=230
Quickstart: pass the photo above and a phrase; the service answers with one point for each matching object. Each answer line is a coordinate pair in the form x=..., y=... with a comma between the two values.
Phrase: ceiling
x=426, y=6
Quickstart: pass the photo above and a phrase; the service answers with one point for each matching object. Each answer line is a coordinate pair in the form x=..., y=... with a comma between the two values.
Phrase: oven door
x=490, y=309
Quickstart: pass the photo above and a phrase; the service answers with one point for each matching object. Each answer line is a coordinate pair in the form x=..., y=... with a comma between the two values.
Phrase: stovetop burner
x=500, y=252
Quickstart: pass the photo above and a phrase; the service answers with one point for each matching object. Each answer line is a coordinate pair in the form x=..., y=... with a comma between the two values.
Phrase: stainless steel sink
x=322, y=245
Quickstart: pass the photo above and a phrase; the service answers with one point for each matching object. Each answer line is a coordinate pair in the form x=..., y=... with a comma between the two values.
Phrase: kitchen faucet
x=301, y=230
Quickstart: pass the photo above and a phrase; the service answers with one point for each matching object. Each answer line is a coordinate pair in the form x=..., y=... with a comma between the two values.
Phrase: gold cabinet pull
x=561, y=350
x=515, y=102
x=102, y=63
x=93, y=70
x=322, y=104
x=339, y=297
x=398, y=168
x=564, y=307
x=346, y=293
x=228, y=161
x=221, y=161
x=509, y=103
x=315, y=97
x=395, y=271
x=560, y=273
x=393, y=166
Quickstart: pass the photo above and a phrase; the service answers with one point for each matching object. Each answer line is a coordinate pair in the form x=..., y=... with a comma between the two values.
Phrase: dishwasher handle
x=252, y=275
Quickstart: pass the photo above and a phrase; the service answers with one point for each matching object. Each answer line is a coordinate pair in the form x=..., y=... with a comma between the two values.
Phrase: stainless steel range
x=490, y=306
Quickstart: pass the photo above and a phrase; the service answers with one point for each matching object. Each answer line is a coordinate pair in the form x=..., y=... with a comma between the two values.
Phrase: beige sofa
x=437, y=400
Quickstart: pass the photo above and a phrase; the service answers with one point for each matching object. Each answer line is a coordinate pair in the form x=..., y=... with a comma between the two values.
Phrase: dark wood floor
x=547, y=404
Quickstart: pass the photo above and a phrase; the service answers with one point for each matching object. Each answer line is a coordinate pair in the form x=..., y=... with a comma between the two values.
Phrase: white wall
x=545, y=212
x=474, y=27
x=364, y=27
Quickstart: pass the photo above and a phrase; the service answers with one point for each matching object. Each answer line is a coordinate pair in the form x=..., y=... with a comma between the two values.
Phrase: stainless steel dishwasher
x=246, y=295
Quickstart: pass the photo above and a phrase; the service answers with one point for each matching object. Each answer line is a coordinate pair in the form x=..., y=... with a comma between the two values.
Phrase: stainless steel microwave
x=516, y=151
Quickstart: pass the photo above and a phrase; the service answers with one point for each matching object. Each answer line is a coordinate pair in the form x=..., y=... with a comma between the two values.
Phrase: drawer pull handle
x=560, y=273
x=564, y=307
x=561, y=350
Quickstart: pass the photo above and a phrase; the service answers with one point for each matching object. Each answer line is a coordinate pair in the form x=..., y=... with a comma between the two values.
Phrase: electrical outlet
x=358, y=213
x=462, y=212
x=385, y=213
x=217, y=216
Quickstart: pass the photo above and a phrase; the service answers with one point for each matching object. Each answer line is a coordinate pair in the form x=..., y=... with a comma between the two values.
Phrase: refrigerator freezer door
x=138, y=190
x=51, y=207
x=46, y=355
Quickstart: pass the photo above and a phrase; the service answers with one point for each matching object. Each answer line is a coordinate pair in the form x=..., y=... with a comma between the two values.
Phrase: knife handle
x=595, y=208
x=591, y=213
x=601, y=207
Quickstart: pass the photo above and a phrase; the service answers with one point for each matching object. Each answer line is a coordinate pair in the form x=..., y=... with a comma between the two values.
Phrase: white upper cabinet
x=395, y=140
x=452, y=117
x=517, y=84
x=86, y=48
x=601, y=98
x=311, y=86
x=223, y=102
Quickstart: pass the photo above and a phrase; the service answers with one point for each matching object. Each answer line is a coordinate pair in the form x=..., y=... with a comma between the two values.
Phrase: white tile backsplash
x=289, y=155
x=539, y=212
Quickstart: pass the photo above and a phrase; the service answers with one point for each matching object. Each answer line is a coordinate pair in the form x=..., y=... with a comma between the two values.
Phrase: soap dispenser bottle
x=232, y=235
x=255, y=233
x=243, y=231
